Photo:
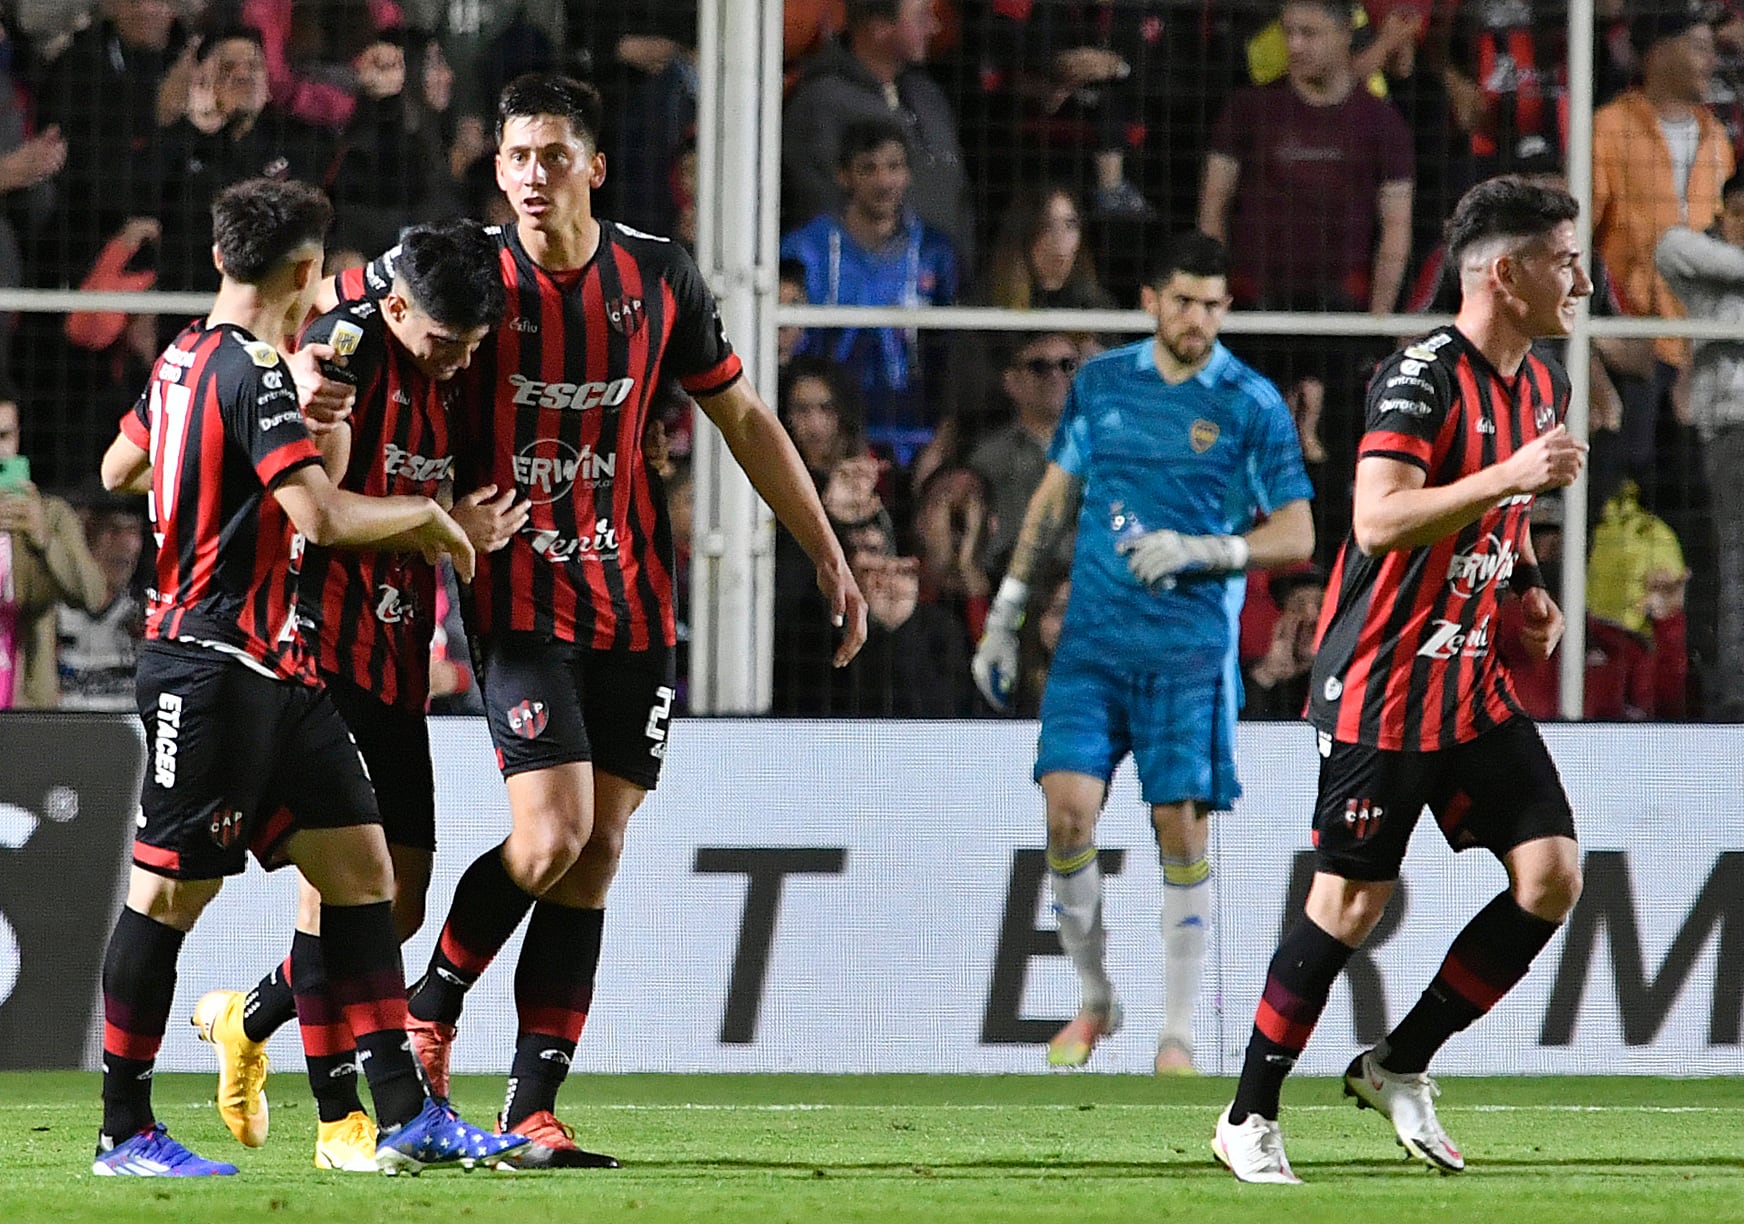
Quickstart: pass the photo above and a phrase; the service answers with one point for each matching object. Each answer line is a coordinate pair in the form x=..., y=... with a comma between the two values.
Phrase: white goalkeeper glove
x=1158, y=557
x=995, y=665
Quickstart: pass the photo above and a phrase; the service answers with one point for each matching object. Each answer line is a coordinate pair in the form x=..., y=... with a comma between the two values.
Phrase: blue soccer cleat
x=152, y=1153
x=439, y=1136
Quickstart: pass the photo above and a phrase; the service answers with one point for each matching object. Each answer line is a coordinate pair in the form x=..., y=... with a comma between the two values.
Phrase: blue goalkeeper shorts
x=1181, y=733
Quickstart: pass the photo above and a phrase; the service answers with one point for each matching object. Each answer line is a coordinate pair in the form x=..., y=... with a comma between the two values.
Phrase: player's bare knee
x=539, y=857
x=1551, y=892
x=175, y=903
x=1070, y=826
x=1181, y=829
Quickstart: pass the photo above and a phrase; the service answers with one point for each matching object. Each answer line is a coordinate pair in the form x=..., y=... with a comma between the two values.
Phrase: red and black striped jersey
x=220, y=421
x=369, y=616
x=555, y=404
x=1406, y=654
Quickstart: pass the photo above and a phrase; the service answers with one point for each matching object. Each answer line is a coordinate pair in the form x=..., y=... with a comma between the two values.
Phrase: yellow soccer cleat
x=348, y=1145
x=1071, y=1046
x=242, y=1065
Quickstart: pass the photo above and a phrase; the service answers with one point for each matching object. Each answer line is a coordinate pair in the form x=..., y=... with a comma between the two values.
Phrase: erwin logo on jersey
x=1489, y=560
x=548, y=469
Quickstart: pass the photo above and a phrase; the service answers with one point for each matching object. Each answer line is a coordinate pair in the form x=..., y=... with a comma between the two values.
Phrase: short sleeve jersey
x=555, y=404
x=1406, y=658
x=220, y=422
x=1203, y=457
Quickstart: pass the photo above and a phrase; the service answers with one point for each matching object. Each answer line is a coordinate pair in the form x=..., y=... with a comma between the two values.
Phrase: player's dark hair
x=1191, y=252
x=217, y=37
x=1734, y=186
x=864, y=12
x=450, y=270
x=868, y=136
x=791, y=270
x=259, y=222
x=551, y=93
x=1505, y=207
x=850, y=420
x=1337, y=9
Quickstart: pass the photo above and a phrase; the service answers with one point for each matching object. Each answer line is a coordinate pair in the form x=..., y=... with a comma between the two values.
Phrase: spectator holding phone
x=43, y=562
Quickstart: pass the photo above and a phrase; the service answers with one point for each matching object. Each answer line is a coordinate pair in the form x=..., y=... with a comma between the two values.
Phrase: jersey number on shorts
x=658, y=718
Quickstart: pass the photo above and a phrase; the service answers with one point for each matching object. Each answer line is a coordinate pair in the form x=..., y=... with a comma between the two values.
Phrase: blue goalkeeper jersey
x=1202, y=458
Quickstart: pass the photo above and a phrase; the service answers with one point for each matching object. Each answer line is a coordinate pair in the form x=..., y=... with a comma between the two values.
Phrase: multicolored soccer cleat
x=152, y=1153
x=439, y=1136
x=551, y=1145
x=1071, y=1046
x=242, y=1065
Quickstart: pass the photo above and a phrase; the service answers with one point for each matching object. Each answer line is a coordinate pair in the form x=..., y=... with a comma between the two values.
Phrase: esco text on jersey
x=532, y=393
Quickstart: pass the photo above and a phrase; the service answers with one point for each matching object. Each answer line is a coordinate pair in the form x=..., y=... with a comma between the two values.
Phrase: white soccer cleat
x=1408, y=1102
x=1253, y=1151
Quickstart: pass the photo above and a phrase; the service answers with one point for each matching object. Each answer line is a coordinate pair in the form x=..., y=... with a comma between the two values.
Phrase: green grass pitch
x=1068, y=1148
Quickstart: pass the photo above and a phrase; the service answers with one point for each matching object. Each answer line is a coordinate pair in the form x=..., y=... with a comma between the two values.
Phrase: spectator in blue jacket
x=876, y=252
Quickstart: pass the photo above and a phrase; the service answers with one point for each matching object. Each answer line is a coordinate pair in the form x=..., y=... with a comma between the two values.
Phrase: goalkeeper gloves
x=1157, y=558
x=995, y=664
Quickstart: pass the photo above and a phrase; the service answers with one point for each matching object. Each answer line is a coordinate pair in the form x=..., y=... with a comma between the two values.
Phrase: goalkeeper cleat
x=242, y=1065
x=1253, y=1151
x=439, y=1136
x=432, y=1042
x=348, y=1145
x=152, y=1153
x=1071, y=1046
x=1408, y=1102
x=551, y=1145
x=1174, y=1058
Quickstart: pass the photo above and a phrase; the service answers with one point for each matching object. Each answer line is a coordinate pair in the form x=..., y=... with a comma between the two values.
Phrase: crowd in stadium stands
x=1016, y=153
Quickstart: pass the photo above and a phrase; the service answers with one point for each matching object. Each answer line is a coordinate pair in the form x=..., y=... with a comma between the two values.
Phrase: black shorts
x=395, y=743
x=235, y=762
x=1497, y=791
x=549, y=703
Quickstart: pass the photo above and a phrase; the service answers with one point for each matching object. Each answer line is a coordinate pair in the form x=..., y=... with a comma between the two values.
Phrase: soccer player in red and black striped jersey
x=367, y=616
x=575, y=617
x=1412, y=705
x=248, y=752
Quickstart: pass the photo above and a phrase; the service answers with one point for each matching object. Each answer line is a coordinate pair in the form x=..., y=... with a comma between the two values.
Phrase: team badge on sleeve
x=345, y=338
x=261, y=353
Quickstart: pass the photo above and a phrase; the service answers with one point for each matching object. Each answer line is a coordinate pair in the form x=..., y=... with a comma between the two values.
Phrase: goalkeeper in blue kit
x=1178, y=448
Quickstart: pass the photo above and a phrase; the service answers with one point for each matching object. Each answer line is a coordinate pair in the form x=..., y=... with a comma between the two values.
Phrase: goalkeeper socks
x=553, y=991
x=328, y=1047
x=1301, y=976
x=1077, y=883
x=488, y=906
x=1186, y=919
x=1494, y=952
x=361, y=952
x=139, y=985
x=271, y=1005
